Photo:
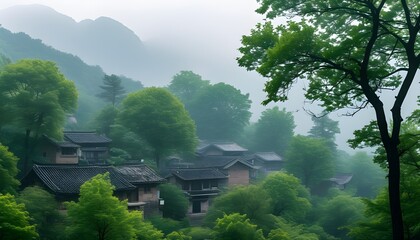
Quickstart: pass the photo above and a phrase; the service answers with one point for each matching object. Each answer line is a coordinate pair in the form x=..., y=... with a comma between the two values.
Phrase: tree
x=185, y=85
x=325, y=128
x=100, y=215
x=274, y=130
x=290, y=199
x=14, y=220
x=43, y=209
x=220, y=112
x=310, y=160
x=38, y=97
x=350, y=51
x=236, y=226
x=340, y=212
x=104, y=120
x=251, y=200
x=160, y=119
x=368, y=177
x=8, y=171
x=176, y=204
x=113, y=91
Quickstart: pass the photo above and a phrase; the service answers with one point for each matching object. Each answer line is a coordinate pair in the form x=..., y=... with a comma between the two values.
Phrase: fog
x=203, y=36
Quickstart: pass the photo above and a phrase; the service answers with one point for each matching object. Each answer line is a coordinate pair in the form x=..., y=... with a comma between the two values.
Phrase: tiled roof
x=80, y=137
x=68, y=178
x=61, y=143
x=136, y=174
x=268, y=156
x=198, y=174
x=221, y=162
x=224, y=146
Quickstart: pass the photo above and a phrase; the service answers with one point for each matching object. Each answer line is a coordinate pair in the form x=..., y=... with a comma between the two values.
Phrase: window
x=68, y=151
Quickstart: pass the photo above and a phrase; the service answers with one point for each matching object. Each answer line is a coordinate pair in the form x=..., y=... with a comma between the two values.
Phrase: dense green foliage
x=325, y=128
x=100, y=215
x=236, y=226
x=220, y=112
x=43, y=210
x=290, y=199
x=160, y=119
x=14, y=220
x=310, y=160
x=350, y=52
x=176, y=204
x=273, y=131
x=8, y=171
x=186, y=85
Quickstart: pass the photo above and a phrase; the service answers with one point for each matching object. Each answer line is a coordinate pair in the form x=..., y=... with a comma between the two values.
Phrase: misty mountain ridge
x=103, y=41
x=16, y=46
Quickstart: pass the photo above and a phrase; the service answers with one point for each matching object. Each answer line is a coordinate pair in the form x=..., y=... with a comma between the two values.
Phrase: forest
x=349, y=52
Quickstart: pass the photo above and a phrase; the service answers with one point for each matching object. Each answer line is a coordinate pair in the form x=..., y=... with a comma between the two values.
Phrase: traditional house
x=94, y=147
x=339, y=180
x=266, y=162
x=130, y=182
x=85, y=147
x=59, y=152
x=200, y=185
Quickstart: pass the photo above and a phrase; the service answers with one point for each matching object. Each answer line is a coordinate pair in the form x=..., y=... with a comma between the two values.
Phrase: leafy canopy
x=100, y=215
x=160, y=119
x=113, y=91
x=15, y=220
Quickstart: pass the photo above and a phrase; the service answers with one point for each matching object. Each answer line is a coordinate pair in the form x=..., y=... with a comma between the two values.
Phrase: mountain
x=104, y=41
x=87, y=78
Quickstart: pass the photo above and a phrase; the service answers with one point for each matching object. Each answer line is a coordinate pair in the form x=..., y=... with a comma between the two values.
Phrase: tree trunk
x=394, y=192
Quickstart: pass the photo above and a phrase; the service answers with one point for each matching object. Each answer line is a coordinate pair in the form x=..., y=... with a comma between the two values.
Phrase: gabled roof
x=268, y=156
x=67, y=179
x=341, y=178
x=189, y=174
x=138, y=174
x=223, y=146
x=221, y=162
x=60, y=143
x=80, y=137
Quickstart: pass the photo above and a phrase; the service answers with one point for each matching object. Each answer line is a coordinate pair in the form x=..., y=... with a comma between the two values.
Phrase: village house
x=86, y=147
x=137, y=183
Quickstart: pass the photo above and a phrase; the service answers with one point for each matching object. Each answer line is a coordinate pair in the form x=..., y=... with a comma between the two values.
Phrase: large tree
x=325, y=128
x=37, y=97
x=100, y=215
x=220, y=111
x=310, y=160
x=274, y=130
x=290, y=199
x=160, y=119
x=113, y=91
x=185, y=85
x=350, y=51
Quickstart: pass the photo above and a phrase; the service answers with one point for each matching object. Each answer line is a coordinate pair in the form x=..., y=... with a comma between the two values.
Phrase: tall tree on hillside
x=220, y=112
x=350, y=51
x=160, y=119
x=310, y=160
x=113, y=92
x=325, y=128
x=274, y=130
x=38, y=97
x=185, y=85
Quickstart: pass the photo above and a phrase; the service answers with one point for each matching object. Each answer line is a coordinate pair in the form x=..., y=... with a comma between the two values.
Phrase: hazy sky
x=207, y=32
